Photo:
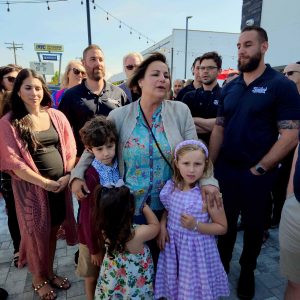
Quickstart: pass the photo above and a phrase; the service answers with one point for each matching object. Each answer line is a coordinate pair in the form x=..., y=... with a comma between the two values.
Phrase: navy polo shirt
x=251, y=114
x=183, y=91
x=79, y=105
x=203, y=104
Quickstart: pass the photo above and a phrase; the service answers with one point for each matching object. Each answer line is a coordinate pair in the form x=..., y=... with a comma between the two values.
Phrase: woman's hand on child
x=211, y=195
x=79, y=188
x=96, y=259
x=188, y=221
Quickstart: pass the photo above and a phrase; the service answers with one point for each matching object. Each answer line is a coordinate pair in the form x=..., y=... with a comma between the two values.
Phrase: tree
x=54, y=79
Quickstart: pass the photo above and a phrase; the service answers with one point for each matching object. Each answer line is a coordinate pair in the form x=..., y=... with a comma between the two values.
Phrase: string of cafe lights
x=12, y=2
x=121, y=23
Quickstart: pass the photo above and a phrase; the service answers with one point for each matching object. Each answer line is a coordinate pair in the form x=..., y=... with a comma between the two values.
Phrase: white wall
x=199, y=42
x=281, y=20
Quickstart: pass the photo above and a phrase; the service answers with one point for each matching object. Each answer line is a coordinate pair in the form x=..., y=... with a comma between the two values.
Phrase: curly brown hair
x=97, y=132
x=113, y=216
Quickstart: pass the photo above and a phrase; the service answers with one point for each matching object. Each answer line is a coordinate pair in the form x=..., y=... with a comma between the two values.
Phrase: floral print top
x=126, y=276
x=146, y=172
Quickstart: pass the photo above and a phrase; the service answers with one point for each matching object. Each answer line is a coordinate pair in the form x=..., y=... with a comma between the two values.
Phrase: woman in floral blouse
x=149, y=129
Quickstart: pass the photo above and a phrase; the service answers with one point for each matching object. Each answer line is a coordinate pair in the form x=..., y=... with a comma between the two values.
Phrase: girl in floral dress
x=189, y=267
x=127, y=270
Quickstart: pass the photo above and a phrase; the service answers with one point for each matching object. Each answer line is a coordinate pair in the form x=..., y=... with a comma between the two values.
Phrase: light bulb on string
x=8, y=7
x=48, y=7
x=81, y=2
x=93, y=1
x=120, y=26
x=107, y=17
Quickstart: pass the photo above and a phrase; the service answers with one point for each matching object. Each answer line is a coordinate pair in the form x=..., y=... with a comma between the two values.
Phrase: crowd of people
x=161, y=176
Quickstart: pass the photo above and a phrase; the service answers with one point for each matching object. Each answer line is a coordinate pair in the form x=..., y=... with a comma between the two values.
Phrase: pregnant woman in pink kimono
x=38, y=150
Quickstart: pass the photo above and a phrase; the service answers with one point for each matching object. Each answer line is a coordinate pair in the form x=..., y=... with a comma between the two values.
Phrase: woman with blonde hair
x=73, y=75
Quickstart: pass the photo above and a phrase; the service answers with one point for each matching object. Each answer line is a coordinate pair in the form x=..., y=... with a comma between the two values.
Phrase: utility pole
x=88, y=21
x=13, y=46
x=186, y=42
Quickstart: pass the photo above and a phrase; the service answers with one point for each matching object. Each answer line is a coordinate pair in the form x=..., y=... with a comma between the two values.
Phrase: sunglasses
x=77, y=72
x=290, y=73
x=130, y=67
x=11, y=79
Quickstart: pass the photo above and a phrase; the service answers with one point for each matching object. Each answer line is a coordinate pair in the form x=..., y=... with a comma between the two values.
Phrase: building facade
x=281, y=21
x=199, y=42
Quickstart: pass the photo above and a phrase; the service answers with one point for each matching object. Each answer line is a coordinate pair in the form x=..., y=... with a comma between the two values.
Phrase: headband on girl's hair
x=191, y=142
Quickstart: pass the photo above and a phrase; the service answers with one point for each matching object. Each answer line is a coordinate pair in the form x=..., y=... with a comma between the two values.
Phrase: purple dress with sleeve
x=189, y=267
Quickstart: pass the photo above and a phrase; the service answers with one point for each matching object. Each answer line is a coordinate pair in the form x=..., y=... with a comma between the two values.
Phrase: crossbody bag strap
x=155, y=140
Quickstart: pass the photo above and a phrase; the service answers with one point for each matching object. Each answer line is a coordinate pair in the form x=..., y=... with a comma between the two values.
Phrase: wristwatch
x=260, y=170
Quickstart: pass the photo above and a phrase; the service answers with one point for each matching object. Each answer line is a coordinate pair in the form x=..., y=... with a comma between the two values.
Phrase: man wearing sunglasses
x=203, y=102
x=254, y=109
x=130, y=62
x=94, y=96
x=292, y=72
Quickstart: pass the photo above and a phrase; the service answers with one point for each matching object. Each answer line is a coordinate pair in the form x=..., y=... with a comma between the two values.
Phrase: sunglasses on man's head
x=290, y=73
x=11, y=79
x=130, y=67
x=77, y=71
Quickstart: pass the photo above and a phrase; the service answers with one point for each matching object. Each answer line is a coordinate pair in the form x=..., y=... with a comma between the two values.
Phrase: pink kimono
x=31, y=200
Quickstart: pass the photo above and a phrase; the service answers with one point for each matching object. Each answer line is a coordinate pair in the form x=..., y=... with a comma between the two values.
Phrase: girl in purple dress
x=189, y=267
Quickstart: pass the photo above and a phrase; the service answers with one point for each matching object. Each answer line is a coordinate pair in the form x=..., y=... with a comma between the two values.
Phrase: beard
x=252, y=63
x=95, y=74
x=208, y=81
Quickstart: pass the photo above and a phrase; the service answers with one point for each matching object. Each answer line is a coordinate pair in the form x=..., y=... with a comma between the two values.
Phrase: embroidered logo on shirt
x=259, y=90
x=216, y=102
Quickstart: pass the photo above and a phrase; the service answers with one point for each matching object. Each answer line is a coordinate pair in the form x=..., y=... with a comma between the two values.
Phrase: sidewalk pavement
x=269, y=284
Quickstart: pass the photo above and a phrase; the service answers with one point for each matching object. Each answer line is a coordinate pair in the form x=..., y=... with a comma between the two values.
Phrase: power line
x=121, y=23
x=12, y=2
x=14, y=47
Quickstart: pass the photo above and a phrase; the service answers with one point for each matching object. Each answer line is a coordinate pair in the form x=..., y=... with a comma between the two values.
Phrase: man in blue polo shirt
x=254, y=108
x=94, y=96
x=203, y=102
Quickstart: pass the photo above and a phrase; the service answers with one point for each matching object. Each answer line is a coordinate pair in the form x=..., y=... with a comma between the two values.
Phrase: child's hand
x=96, y=259
x=188, y=221
x=163, y=236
